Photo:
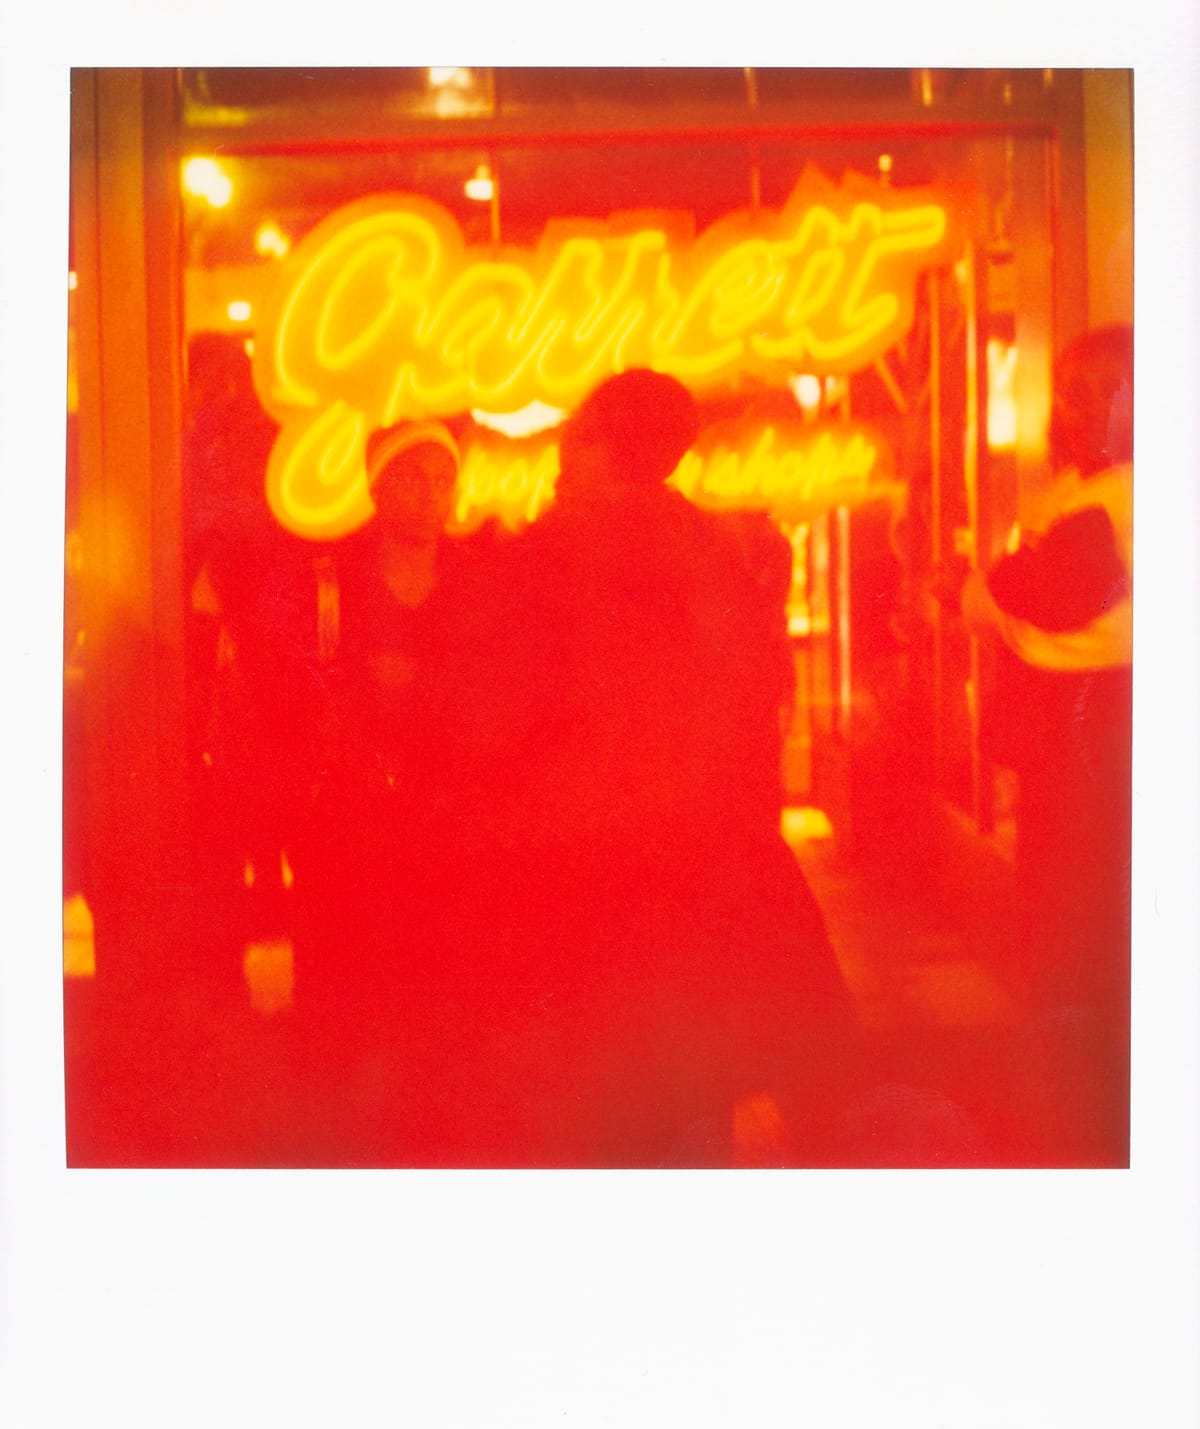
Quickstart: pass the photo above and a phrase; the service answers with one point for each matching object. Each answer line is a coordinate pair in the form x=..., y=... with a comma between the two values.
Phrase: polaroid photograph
x=599, y=835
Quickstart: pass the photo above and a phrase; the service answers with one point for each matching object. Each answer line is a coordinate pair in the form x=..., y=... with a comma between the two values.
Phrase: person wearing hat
x=402, y=683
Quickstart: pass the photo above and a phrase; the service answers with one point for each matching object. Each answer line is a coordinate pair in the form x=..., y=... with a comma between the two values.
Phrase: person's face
x=414, y=494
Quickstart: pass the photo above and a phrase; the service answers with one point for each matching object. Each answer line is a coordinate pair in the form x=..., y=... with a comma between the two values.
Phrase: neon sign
x=794, y=470
x=382, y=313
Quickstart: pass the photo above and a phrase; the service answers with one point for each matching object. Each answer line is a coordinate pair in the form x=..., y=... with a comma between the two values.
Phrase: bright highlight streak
x=536, y=417
x=1002, y=396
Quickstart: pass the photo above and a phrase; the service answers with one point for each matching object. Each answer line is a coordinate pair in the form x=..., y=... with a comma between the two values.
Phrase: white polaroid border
x=832, y=1299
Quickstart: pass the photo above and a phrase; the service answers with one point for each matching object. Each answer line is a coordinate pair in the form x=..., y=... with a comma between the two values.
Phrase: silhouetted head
x=633, y=428
x=412, y=471
x=1091, y=424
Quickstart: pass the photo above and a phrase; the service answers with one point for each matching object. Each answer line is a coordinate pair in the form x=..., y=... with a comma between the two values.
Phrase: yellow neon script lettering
x=384, y=313
x=787, y=469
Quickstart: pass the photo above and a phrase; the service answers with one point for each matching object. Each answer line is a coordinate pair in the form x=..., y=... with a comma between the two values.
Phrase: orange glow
x=79, y=938
x=269, y=972
x=72, y=280
x=206, y=179
x=382, y=313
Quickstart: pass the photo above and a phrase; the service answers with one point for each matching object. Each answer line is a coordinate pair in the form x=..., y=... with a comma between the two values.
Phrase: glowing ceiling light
x=206, y=179
x=536, y=417
x=886, y=163
x=239, y=311
x=807, y=391
x=271, y=241
x=481, y=186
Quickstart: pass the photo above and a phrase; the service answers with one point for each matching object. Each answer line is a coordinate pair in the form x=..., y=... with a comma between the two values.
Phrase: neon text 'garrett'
x=383, y=313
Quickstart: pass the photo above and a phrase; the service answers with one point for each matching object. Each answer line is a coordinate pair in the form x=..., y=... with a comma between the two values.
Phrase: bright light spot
x=239, y=311
x=79, y=938
x=807, y=391
x=286, y=876
x=450, y=75
x=536, y=417
x=270, y=975
x=1002, y=396
x=802, y=824
x=248, y=347
x=271, y=241
x=72, y=281
x=481, y=186
x=206, y=179
x=885, y=163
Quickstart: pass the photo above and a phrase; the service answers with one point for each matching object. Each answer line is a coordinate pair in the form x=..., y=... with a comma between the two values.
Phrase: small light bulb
x=239, y=311
x=481, y=186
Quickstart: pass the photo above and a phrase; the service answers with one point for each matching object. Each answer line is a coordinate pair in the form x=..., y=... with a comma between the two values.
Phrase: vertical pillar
x=124, y=216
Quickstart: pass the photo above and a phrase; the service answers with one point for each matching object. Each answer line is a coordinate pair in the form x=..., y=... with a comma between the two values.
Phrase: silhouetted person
x=668, y=956
x=1059, y=612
